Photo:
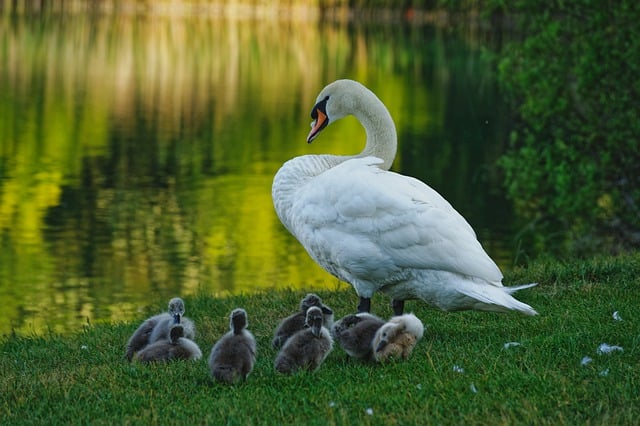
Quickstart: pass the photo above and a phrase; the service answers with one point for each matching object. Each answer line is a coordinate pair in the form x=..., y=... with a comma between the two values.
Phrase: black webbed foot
x=398, y=307
x=364, y=305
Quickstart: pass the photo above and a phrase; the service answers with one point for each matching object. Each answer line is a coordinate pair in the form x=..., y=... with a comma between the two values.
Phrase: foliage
x=573, y=163
x=461, y=372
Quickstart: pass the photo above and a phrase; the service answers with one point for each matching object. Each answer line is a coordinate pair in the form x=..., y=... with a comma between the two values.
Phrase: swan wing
x=361, y=222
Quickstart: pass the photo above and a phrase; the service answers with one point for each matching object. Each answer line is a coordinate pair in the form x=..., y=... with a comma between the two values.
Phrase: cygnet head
x=176, y=309
x=314, y=300
x=407, y=323
x=176, y=332
x=238, y=320
x=314, y=320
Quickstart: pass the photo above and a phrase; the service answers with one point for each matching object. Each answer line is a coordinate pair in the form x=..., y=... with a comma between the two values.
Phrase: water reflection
x=137, y=152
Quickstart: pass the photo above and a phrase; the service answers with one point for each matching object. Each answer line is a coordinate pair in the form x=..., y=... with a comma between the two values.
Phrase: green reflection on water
x=137, y=152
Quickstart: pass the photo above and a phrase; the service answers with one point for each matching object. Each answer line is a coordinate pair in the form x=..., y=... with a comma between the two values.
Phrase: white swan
x=379, y=230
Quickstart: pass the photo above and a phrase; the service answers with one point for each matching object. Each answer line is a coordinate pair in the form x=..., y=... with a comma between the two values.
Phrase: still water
x=137, y=152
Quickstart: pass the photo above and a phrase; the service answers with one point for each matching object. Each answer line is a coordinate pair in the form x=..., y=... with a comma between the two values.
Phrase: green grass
x=83, y=378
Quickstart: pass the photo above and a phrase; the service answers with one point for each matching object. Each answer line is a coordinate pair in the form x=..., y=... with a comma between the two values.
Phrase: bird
x=176, y=346
x=296, y=321
x=397, y=338
x=307, y=348
x=158, y=326
x=355, y=333
x=379, y=230
x=233, y=356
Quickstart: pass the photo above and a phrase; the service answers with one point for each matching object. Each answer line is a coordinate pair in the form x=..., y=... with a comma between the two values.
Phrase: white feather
x=382, y=231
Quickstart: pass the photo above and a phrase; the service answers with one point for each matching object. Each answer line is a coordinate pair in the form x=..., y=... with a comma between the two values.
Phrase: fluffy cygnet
x=296, y=322
x=233, y=356
x=355, y=333
x=307, y=348
x=175, y=347
x=397, y=338
x=158, y=327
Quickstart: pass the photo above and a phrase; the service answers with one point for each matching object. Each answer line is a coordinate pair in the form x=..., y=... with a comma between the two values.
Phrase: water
x=137, y=151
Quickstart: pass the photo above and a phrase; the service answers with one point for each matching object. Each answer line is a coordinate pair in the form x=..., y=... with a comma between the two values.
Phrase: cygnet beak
x=381, y=345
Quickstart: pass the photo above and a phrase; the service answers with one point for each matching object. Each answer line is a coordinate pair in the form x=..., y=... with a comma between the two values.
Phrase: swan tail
x=515, y=288
x=498, y=299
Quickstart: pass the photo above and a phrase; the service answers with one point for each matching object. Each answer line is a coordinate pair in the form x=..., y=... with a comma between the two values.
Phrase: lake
x=137, y=149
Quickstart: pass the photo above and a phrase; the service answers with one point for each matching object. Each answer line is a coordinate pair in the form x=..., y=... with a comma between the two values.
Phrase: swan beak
x=176, y=318
x=317, y=125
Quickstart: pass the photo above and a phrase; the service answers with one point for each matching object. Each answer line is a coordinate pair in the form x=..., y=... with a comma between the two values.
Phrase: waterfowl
x=233, y=356
x=296, y=322
x=307, y=348
x=158, y=326
x=176, y=346
x=379, y=230
x=397, y=338
x=355, y=333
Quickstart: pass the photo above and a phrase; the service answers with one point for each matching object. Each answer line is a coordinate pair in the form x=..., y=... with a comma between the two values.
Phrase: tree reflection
x=137, y=152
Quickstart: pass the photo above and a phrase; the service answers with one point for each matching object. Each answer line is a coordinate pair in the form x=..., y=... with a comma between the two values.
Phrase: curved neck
x=382, y=140
x=381, y=143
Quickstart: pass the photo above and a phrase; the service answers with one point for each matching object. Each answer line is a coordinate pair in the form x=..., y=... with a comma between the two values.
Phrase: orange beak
x=317, y=125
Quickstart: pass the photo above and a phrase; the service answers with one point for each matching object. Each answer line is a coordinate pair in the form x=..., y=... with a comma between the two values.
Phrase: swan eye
x=322, y=105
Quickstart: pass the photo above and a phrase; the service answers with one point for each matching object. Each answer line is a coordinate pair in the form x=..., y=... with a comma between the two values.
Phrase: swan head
x=238, y=320
x=314, y=300
x=176, y=309
x=334, y=102
x=314, y=320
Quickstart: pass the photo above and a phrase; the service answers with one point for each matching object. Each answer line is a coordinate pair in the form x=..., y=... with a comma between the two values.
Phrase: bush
x=574, y=159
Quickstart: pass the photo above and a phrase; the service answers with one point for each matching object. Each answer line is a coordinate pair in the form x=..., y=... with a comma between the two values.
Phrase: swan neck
x=382, y=141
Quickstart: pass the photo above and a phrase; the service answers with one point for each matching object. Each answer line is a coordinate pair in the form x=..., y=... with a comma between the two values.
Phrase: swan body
x=397, y=338
x=176, y=346
x=355, y=333
x=379, y=230
x=158, y=327
x=296, y=321
x=307, y=348
x=233, y=356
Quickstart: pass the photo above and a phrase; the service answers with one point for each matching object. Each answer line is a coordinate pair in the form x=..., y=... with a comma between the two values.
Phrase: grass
x=459, y=373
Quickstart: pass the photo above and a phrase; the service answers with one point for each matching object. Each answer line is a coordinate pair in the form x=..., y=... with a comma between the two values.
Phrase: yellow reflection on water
x=220, y=102
x=137, y=152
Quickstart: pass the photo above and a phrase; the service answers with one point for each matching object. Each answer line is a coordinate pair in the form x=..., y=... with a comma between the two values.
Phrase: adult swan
x=379, y=230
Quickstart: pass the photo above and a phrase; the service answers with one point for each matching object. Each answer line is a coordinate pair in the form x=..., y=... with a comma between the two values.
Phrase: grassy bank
x=460, y=372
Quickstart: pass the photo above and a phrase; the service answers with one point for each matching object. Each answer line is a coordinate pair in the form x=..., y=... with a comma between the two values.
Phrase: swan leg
x=364, y=305
x=398, y=307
